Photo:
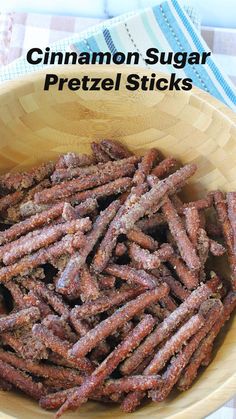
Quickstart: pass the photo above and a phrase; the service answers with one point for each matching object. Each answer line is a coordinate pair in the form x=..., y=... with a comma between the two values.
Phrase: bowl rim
x=73, y=70
x=227, y=389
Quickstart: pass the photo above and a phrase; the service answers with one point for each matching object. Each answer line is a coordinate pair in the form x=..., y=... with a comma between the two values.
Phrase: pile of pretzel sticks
x=109, y=290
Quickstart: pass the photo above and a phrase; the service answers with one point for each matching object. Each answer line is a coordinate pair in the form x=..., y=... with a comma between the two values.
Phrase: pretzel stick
x=66, y=279
x=10, y=200
x=208, y=357
x=21, y=380
x=33, y=300
x=125, y=330
x=231, y=201
x=109, y=325
x=24, y=180
x=163, y=331
x=70, y=187
x=203, y=247
x=176, y=288
x=144, y=240
x=115, y=149
x=80, y=326
x=223, y=216
x=132, y=383
x=169, y=303
x=89, y=289
x=70, y=173
x=40, y=369
x=103, y=303
x=19, y=242
x=31, y=208
x=173, y=372
x=106, y=282
x=155, y=196
x=60, y=327
x=187, y=277
x=99, y=155
x=24, y=344
x=131, y=402
x=145, y=166
x=171, y=346
x=5, y=385
x=164, y=167
x=81, y=394
x=216, y=248
x=132, y=275
x=69, y=212
x=139, y=277
x=15, y=213
x=192, y=222
x=125, y=384
x=19, y=319
x=16, y=293
x=85, y=208
x=63, y=394
x=74, y=160
x=58, y=360
x=60, y=346
x=147, y=260
x=174, y=344
x=190, y=372
x=109, y=241
x=112, y=188
x=177, y=202
x=41, y=239
x=185, y=247
x=66, y=246
x=43, y=291
x=199, y=204
x=38, y=220
x=55, y=399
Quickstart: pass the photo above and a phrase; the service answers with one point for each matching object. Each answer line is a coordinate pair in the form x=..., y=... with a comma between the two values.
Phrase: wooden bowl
x=37, y=126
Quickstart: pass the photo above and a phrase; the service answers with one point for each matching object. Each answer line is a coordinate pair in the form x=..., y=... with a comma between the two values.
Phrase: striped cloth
x=222, y=41
x=166, y=26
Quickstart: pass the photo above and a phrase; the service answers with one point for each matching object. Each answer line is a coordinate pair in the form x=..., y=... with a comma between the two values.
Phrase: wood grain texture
x=36, y=126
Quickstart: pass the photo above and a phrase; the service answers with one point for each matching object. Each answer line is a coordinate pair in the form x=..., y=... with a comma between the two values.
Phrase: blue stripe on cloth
x=93, y=44
x=117, y=38
x=81, y=46
x=109, y=41
x=178, y=42
x=231, y=94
